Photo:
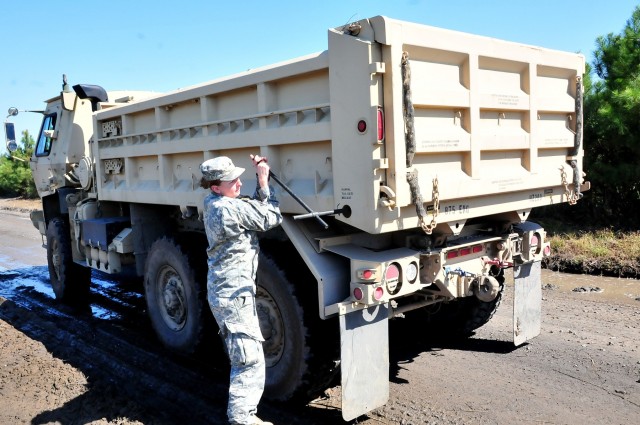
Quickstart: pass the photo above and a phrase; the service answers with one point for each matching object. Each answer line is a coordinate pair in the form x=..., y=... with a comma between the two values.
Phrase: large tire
x=70, y=281
x=176, y=297
x=300, y=350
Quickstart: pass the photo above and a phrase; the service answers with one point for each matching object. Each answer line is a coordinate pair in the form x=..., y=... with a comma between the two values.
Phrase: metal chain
x=572, y=197
x=428, y=228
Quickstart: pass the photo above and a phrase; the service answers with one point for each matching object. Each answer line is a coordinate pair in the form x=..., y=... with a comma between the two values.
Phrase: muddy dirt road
x=103, y=365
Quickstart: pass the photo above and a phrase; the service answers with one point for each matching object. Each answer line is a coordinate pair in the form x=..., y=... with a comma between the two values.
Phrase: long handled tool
x=346, y=211
x=300, y=201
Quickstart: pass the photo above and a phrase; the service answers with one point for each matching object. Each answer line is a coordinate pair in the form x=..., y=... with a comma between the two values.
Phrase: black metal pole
x=300, y=201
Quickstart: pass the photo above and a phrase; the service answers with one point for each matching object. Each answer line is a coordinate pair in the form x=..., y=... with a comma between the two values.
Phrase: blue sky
x=165, y=45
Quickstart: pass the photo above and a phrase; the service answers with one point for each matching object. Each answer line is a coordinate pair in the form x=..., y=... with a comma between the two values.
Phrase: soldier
x=231, y=224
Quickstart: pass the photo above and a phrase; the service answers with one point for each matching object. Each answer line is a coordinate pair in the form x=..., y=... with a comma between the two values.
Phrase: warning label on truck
x=443, y=145
x=439, y=144
x=346, y=193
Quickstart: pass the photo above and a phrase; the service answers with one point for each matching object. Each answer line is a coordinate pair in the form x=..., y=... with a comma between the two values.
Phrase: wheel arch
x=329, y=271
x=55, y=205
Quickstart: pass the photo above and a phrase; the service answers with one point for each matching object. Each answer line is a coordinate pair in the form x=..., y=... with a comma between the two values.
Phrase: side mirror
x=10, y=136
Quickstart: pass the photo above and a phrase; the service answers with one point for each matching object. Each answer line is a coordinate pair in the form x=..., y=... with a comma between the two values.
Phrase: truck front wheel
x=70, y=281
x=175, y=299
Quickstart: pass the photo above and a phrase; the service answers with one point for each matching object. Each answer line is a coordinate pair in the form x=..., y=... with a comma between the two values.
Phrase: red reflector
x=380, y=125
x=378, y=293
x=357, y=294
x=452, y=254
x=362, y=126
x=465, y=251
x=367, y=274
x=547, y=251
x=477, y=248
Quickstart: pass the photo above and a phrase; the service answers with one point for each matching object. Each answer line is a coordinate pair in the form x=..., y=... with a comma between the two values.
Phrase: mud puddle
x=596, y=288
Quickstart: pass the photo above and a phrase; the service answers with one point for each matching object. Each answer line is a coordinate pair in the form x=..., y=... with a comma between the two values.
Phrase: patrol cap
x=220, y=168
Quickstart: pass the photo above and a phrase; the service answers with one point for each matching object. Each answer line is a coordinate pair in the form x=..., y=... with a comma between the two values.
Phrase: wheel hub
x=173, y=304
x=271, y=326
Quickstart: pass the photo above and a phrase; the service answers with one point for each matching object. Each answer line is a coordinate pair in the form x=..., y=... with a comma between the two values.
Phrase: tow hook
x=501, y=264
x=486, y=288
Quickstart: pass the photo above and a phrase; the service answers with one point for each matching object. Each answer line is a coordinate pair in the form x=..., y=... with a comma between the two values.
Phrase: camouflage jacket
x=231, y=225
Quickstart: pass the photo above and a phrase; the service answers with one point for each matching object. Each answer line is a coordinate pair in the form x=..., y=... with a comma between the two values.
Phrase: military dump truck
x=406, y=158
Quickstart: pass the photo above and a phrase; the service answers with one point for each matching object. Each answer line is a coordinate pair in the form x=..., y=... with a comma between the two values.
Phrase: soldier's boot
x=254, y=420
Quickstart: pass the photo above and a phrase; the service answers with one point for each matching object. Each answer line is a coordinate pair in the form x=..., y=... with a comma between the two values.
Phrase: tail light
x=357, y=294
x=367, y=274
x=534, y=240
x=380, y=124
x=452, y=254
x=465, y=251
x=535, y=243
x=392, y=279
x=378, y=293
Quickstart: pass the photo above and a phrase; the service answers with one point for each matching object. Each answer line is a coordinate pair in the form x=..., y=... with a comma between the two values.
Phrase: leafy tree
x=612, y=127
x=15, y=175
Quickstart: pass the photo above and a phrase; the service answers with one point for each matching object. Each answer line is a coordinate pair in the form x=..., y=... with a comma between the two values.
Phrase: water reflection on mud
x=625, y=291
x=114, y=300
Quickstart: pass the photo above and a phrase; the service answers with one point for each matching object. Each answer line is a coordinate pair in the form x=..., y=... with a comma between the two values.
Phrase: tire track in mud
x=171, y=388
x=142, y=375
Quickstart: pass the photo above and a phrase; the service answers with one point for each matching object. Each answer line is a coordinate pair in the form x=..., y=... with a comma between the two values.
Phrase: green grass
x=602, y=251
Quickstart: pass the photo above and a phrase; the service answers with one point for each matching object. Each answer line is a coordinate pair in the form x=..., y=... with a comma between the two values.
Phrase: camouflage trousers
x=239, y=326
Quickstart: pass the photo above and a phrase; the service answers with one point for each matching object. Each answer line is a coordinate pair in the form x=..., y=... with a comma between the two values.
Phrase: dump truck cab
x=61, y=155
x=62, y=142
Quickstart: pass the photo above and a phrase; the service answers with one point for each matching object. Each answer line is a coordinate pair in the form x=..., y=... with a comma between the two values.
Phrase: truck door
x=41, y=161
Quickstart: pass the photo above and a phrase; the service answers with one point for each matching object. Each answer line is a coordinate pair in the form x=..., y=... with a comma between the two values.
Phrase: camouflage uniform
x=231, y=225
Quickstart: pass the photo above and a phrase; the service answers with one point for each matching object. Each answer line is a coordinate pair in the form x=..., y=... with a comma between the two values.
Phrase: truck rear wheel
x=475, y=313
x=175, y=298
x=70, y=281
x=461, y=317
x=299, y=353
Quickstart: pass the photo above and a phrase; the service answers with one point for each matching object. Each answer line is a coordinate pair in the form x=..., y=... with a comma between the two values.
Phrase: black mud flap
x=527, y=302
x=364, y=350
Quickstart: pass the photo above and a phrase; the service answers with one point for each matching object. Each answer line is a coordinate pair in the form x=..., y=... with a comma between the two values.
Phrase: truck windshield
x=44, y=142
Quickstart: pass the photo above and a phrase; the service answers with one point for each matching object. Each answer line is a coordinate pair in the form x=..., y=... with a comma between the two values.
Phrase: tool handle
x=300, y=201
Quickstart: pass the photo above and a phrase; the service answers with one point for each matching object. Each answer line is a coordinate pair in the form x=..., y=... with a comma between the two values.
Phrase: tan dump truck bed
x=494, y=129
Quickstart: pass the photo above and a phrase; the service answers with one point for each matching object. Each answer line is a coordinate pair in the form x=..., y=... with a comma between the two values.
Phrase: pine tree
x=612, y=127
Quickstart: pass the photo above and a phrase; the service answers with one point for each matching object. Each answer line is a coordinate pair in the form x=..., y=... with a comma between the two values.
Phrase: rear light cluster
x=537, y=246
x=361, y=126
x=372, y=286
x=475, y=249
